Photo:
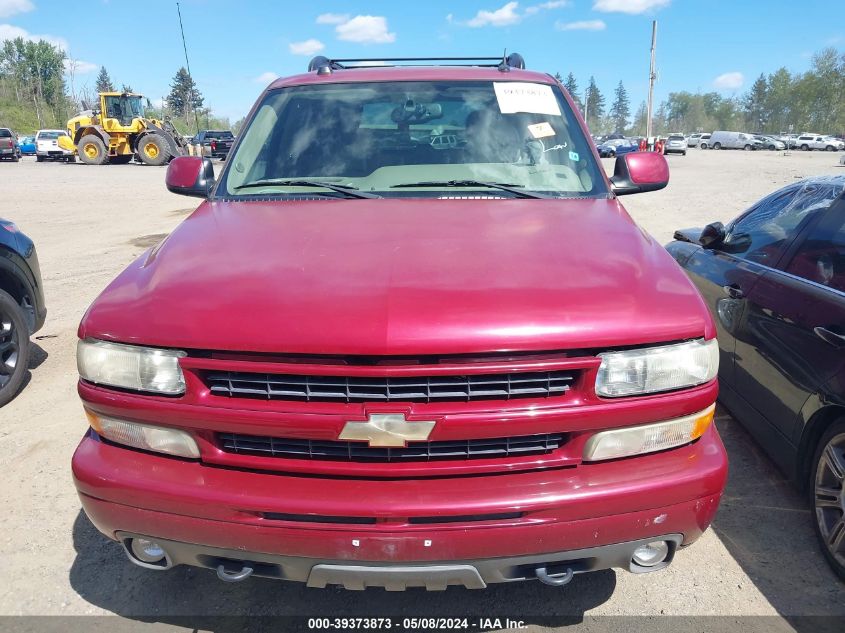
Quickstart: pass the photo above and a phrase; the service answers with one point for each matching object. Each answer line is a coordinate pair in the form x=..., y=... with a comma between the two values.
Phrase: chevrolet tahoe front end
x=404, y=375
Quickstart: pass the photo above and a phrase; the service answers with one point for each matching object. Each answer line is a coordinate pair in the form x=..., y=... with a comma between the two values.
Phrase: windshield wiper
x=503, y=186
x=348, y=190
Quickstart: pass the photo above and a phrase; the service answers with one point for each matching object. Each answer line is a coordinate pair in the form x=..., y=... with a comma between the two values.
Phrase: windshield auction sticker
x=517, y=96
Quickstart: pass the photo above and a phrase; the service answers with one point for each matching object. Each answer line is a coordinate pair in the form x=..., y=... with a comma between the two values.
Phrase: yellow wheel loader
x=118, y=131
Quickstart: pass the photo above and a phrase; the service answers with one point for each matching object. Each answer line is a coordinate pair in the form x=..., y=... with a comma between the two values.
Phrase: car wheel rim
x=8, y=349
x=830, y=497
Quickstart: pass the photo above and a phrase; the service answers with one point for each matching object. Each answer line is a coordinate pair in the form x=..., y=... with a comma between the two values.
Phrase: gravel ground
x=760, y=557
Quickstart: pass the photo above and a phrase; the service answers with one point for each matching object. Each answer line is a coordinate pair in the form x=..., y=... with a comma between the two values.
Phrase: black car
x=774, y=279
x=214, y=143
x=22, y=310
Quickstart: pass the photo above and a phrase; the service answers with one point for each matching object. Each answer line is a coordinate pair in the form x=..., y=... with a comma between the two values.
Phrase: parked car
x=704, y=139
x=774, y=278
x=807, y=142
x=722, y=139
x=617, y=147
x=22, y=309
x=694, y=140
x=8, y=145
x=675, y=144
x=770, y=142
x=27, y=146
x=335, y=405
x=47, y=147
x=214, y=143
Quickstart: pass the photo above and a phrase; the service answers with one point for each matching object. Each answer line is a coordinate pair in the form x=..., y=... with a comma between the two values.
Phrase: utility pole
x=651, y=78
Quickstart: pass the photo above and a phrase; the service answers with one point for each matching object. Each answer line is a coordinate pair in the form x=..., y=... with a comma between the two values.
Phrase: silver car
x=675, y=144
x=770, y=142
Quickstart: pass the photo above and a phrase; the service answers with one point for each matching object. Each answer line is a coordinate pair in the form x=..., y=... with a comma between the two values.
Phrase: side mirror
x=712, y=235
x=638, y=172
x=190, y=176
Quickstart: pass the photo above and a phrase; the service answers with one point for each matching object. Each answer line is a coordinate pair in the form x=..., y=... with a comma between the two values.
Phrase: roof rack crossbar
x=504, y=63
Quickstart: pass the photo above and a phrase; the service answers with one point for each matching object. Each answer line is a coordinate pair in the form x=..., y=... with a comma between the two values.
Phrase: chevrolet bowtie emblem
x=387, y=430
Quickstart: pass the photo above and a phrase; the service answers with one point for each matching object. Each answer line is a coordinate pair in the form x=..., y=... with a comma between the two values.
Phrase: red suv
x=410, y=338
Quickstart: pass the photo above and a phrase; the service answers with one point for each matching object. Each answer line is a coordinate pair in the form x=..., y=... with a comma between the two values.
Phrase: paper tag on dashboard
x=541, y=130
x=518, y=96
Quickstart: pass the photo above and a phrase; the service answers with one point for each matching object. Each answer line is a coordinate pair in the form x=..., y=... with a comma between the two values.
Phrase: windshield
x=124, y=108
x=51, y=135
x=385, y=137
x=676, y=138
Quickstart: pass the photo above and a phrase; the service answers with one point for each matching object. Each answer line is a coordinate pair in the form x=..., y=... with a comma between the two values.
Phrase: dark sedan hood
x=402, y=277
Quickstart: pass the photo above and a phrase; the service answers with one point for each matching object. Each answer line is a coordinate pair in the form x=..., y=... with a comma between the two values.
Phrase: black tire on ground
x=683, y=153
x=121, y=160
x=153, y=149
x=39, y=159
x=717, y=146
x=15, y=158
x=830, y=148
x=14, y=347
x=805, y=148
x=747, y=148
x=70, y=159
x=92, y=150
x=703, y=146
x=826, y=490
x=772, y=147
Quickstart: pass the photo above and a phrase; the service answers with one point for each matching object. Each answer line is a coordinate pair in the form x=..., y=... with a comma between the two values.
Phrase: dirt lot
x=760, y=558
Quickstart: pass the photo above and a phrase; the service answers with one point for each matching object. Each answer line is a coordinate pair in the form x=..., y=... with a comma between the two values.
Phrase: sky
x=237, y=48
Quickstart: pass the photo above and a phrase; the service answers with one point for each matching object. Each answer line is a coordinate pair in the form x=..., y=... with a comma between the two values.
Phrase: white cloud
x=266, y=78
x=332, y=18
x=365, y=29
x=79, y=67
x=729, y=81
x=10, y=32
x=306, y=47
x=583, y=25
x=552, y=4
x=504, y=16
x=9, y=8
x=632, y=7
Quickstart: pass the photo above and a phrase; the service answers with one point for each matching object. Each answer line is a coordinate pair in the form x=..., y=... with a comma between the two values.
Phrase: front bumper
x=294, y=524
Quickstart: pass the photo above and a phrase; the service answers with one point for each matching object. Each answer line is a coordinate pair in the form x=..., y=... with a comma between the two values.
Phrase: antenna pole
x=188, y=65
x=651, y=78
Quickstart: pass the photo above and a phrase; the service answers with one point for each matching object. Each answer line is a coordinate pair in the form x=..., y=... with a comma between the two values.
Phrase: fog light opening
x=147, y=551
x=651, y=554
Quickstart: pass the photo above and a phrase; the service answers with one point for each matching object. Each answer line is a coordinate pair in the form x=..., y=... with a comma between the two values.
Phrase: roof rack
x=324, y=65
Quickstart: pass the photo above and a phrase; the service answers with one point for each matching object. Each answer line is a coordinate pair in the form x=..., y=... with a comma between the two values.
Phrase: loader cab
x=119, y=110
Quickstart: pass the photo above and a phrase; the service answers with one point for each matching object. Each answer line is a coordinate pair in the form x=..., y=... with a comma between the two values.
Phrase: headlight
x=648, y=438
x=130, y=366
x=144, y=436
x=653, y=369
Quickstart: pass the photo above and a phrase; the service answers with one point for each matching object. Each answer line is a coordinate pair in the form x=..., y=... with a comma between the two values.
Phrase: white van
x=721, y=139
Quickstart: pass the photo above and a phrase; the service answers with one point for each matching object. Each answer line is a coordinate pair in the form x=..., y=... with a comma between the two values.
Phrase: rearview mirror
x=190, y=176
x=712, y=235
x=639, y=172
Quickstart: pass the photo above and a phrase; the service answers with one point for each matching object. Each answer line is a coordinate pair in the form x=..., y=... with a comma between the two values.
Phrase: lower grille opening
x=317, y=518
x=486, y=448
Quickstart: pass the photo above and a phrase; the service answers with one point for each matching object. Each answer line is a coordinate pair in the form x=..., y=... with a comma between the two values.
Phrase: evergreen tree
x=620, y=111
x=572, y=88
x=104, y=82
x=639, y=124
x=184, y=95
x=594, y=106
x=755, y=107
x=126, y=88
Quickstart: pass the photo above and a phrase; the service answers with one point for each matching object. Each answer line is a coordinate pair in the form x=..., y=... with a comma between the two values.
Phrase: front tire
x=153, y=149
x=827, y=494
x=830, y=148
x=14, y=347
x=747, y=148
x=92, y=150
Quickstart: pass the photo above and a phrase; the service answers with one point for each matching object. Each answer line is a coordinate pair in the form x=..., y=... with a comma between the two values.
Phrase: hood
x=388, y=276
